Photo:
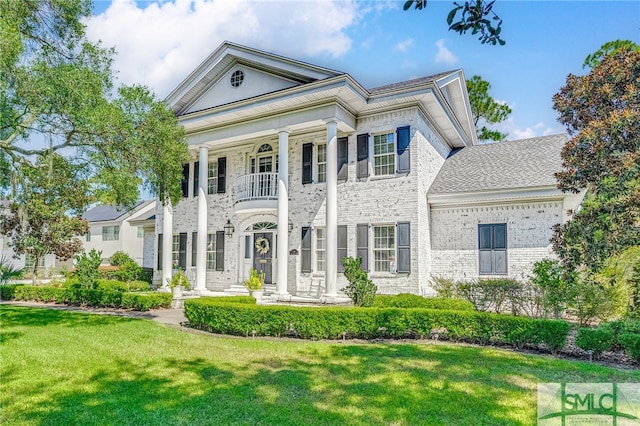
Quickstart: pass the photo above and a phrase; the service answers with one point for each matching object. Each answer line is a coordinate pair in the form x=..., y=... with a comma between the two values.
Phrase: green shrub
x=87, y=266
x=631, y=343
x=406, y=300
x=547, y=275
x=360, y=289
x=119, y=258
x=445, y=287
x=597, y=340
x=233, y=317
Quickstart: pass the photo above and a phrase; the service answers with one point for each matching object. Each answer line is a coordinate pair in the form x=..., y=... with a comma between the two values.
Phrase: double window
x=492, y=244
x=214, y=251
x=111, y=233
x=29, y=262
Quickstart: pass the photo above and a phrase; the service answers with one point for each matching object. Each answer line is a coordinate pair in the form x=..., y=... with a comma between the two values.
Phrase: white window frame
x=378, y=169
x=211, y=252
x=321, y=165
x=111, y=233
x=28, y=262
x=175, y=251
x=384, y=257
x=212, y=177
x=321, y=250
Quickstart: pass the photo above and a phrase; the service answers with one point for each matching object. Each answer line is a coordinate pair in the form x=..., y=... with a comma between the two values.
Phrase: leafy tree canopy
x=602, y=114
x=476, y=16
x=485, y=109
x=609, y=47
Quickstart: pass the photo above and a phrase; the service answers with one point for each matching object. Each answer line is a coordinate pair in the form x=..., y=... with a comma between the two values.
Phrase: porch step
x=236, y=290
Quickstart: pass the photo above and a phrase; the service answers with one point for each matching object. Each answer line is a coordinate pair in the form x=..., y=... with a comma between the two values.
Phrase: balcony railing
x=257, y=186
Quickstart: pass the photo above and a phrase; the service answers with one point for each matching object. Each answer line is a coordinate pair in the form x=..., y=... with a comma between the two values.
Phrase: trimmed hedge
x=597, y=340
x=406, y=300
x=111, y=285
x=220, y=315
x=94, y=298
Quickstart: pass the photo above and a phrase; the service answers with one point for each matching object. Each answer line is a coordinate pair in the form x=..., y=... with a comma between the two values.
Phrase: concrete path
x=174, y=317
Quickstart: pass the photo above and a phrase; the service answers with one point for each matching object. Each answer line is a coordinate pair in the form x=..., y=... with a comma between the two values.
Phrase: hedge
x=219, y=315
x=94, y=298
x=111, y=285
x=406, y=300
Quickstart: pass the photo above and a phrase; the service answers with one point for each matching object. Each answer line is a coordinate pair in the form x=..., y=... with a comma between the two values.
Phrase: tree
x=58, y=97
x=602, y=113
x=609, y=47
x=485, y=109
x=44, y=215
x=474, y=17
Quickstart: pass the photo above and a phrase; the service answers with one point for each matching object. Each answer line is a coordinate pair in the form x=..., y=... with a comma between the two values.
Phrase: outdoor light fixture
x=290, y=226
x=228, y=228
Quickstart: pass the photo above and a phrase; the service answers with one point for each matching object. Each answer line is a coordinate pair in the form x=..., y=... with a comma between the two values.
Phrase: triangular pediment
x=233, y=73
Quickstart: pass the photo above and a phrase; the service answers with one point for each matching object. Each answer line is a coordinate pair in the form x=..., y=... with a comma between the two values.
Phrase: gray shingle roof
x=505, y=165
x=106, y=212
x=410, y=83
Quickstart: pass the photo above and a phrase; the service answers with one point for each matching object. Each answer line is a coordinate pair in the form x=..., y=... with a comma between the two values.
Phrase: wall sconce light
x=290, y=226
x=228, y=228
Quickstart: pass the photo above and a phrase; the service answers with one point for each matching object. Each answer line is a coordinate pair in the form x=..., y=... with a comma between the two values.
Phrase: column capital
x=328, y=121
x=286, y=130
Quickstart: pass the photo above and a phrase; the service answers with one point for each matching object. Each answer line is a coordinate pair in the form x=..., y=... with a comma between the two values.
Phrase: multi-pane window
x=29, y=262
x=211, y=251
x=140, y=232
x=87, y=236
x=492, y=244
x=175, y=251
x=384, y=248
x=212, y=178
x=384, y=154
x=322, y=163
x=321, y=250
x=111, y=233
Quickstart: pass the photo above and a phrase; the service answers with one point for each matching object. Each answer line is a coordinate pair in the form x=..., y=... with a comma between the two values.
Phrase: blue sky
x=160, y=43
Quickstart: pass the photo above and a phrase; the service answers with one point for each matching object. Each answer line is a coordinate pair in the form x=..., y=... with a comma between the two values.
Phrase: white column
x=201, y=243
x=167, y=242
x=331, y=268
x=283, y=213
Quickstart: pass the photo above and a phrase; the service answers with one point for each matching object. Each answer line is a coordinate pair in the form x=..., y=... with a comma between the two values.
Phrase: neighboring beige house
x=113, y=229
x=295, y=166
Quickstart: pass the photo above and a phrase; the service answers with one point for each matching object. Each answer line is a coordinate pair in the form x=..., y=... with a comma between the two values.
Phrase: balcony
x=257, y=192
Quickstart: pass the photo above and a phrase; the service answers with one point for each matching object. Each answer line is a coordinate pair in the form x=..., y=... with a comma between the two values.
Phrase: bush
x=119, y=258
x=631, y=343
x=228, y=317
x=594, y=296
x=360, y=289
x=547, y=275
x=405, y=300
x=597, y=340
x=87, y=266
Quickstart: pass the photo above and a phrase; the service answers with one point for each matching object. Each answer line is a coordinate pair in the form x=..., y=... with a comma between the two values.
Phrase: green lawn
x=72, y=368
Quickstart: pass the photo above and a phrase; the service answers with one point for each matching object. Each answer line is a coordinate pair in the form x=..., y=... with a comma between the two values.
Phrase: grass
x=72, y=368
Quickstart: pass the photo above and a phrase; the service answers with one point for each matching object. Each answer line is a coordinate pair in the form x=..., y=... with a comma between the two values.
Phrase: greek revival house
x=296, y=166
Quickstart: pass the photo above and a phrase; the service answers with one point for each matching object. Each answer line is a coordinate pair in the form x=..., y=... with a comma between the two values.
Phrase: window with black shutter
x=343, y=159
x=362, y=244
x=402, y=148
x=342, y=246
x=492, y=245
x=404, y=247
x=222, y=175
x=307, y=163
x=305, y=250
x=363, y=156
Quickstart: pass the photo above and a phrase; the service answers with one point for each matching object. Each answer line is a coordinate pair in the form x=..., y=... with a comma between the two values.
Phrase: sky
x=159, y=43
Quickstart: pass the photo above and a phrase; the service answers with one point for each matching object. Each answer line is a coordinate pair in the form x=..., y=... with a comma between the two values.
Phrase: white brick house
x=308, y=166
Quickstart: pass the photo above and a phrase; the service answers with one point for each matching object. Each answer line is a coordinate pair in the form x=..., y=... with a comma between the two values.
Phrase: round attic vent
x=236, y=78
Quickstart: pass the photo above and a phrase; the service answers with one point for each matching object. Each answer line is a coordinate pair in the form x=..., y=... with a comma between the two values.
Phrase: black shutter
x=404, y=247
x=305, y=249
x=219, y=250
x=307, y=163
x=159, y=252
x=404, y=138
x=182, y=253
x=342, y=246
x=196, y=178
x=343, y=159
x=362, y=249
x=363, y=155
x=185, y=180
x=194, y=248
x=492, y=244
x=222, y=175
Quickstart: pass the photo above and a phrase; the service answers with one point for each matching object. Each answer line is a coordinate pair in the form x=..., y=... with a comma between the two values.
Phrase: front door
x=263, y=254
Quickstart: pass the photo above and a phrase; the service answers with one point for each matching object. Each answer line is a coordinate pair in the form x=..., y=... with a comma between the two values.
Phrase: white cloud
x=524, y=134
x=404, y=45
x=444, y=55
x=159, y=44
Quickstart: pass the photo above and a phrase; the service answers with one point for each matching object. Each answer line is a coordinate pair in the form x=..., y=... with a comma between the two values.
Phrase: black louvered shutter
x=343, y=158
x=307, y=163
x=222, y=175
x=159, y=252
x=363, y=155
x=404, y=158
x=182, y=251
x=404, y=247
x=194, y=248
x=305, y=250
x=185, y=180
x=362, y=249
x=219, y=250
x=342, y=246
x=196, y=178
